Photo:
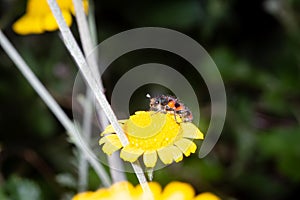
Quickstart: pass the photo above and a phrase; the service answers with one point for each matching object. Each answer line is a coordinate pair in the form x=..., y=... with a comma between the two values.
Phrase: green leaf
x=23, y=189
x=67, y=180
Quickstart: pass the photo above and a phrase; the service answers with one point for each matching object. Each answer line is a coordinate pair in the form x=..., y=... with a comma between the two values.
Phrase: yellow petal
x=166, y=155
x=170, y=153
x=122, y=186
x=111, y=143
x=41, y=18
x=206, y=196
x=100, y=194
x=186, y=146
x=130, y=154
x=110, y=129
x=191, y=131
x=37, y=8
x=109, y=149
x=112, y=138
x=50, y=22
x=177, y=154
x=178, y=191
x=121, y=190
x=65, y=4
x=150, y=158
x=155, y=189
x=85, y=4
x=83, y=196
x=28, y=25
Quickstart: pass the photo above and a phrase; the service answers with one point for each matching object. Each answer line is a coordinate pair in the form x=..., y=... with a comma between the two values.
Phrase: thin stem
x=86, y=134
x=116, y=168
x=87, y=115
x=75, y=51
x=141, y=177
x=85, y=37
x=92, y=22
x=53, y=106
x=88, y=45
x=88, y=75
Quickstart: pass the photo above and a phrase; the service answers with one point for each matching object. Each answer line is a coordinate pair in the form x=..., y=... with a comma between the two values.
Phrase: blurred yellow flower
x=207, y=196
x=38, y=17
x=126, y=191
x=152, y=134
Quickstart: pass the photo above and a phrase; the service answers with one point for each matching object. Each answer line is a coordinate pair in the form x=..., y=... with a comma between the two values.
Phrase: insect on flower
x=170, y=104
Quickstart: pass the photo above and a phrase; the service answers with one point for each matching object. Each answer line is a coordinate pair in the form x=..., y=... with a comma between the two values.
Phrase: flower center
x=151, y=130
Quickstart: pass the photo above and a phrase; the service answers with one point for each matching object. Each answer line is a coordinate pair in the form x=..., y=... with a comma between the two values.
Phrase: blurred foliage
x=256, y=46
x=22, y=189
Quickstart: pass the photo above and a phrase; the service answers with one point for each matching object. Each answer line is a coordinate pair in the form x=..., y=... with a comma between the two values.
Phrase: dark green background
x=256, y=46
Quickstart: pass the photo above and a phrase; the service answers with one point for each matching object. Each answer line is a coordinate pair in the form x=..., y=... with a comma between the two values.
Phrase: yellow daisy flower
x=38, y=17
x=126, y=191
x=152, y=135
